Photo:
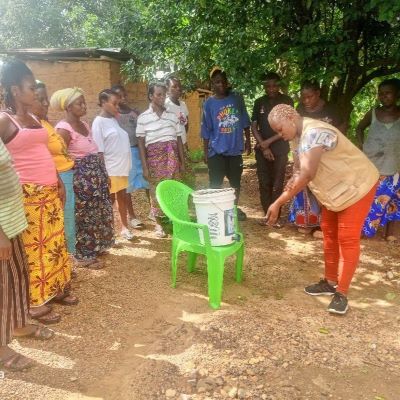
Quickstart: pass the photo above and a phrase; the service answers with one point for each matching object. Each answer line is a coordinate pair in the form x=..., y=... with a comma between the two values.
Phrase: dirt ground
x=133, y=337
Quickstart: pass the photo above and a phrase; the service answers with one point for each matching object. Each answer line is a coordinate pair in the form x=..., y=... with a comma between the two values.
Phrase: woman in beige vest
x=343, y=180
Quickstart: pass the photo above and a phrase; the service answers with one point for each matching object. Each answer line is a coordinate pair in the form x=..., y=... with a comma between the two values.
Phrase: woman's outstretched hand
x=272, y=214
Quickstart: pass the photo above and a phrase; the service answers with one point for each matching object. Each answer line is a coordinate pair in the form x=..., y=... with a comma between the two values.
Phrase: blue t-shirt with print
x=223, y=123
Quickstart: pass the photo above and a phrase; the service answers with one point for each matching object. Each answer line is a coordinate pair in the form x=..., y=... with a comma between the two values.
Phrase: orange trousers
x=342, y=232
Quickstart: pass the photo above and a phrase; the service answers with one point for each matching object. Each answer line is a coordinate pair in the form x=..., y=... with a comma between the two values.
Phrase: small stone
x=285, y=365
x=203, y=372
x=264, y=396
x=233, y=392
x=169, y=393
x=220, y=381
x=242, y=393
x=73, y=378
x=390, y=275
x=204, y=385
x=373, y=346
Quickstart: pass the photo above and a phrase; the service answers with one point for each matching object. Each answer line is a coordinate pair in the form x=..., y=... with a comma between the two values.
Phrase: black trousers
x=220, y=166
x=271, y=176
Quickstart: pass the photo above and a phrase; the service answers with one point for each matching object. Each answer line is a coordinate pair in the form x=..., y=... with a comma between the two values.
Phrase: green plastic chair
x=173, y=197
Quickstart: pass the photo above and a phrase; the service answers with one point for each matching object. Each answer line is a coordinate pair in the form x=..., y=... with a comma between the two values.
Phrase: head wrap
x=61, y=99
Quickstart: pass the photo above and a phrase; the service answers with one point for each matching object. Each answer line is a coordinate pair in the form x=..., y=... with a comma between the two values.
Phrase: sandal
x=66, y=299
x=40, y=332
x=16, y=362
x=49, y=318
x=94, y=263
x=136, y=223
x=33, y=313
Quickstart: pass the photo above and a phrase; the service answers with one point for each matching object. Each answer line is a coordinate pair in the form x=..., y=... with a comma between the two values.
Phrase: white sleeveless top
x=382, y=146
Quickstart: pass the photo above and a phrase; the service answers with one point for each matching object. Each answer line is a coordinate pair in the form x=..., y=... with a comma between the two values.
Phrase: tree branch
x=384, y=70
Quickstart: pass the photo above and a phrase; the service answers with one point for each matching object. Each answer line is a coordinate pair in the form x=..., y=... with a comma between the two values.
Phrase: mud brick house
x=94, y=69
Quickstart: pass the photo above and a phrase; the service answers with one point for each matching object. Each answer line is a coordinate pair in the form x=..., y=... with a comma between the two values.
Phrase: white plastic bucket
x=215, y=208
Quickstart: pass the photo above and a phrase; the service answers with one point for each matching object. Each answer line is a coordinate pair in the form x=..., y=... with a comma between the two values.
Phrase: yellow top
x=58, y=149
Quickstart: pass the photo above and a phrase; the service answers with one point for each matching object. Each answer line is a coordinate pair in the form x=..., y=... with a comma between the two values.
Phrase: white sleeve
x=97, y=131
x=140, y=129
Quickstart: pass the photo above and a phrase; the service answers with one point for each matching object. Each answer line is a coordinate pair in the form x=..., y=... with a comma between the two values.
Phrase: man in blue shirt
x=224, y=121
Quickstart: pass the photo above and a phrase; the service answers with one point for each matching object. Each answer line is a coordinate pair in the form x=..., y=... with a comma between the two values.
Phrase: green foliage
x=196, y=155
x=61, y=23
x=344, y=45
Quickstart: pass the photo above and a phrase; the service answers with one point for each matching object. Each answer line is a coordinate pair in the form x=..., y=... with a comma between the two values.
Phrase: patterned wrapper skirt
x=305, y=211
x=93, y=208
x=386, y=205
x=44, y=241
x=188, y=177
x=163, y=163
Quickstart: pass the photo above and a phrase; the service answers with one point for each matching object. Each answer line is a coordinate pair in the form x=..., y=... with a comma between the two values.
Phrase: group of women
x=58, y=185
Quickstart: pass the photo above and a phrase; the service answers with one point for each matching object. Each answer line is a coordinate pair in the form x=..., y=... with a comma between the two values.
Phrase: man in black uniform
x=271, y=151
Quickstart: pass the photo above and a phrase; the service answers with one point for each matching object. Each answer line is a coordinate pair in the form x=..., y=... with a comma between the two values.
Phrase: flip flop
x=66, y=300
x=49, y=318
x=40, y=333
x=16, y=362
x=33, y=314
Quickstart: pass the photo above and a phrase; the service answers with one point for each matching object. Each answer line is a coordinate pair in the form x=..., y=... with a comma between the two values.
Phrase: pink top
x=79, y=146
x=31, y=157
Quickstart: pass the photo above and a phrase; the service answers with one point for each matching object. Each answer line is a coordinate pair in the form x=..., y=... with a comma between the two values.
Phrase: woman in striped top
x=160, y=146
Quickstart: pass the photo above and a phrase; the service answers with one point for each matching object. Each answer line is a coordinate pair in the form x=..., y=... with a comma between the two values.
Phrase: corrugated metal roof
x=68, y=53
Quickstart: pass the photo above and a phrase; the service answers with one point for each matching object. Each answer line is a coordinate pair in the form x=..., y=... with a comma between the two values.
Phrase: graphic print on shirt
x=227, y=119
x=182, y=118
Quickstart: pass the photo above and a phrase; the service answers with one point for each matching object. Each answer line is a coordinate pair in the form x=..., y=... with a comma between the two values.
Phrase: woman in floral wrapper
x=93, y=207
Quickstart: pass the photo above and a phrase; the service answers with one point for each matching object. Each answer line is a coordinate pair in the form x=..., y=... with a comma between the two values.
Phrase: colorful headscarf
x=61, y=99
